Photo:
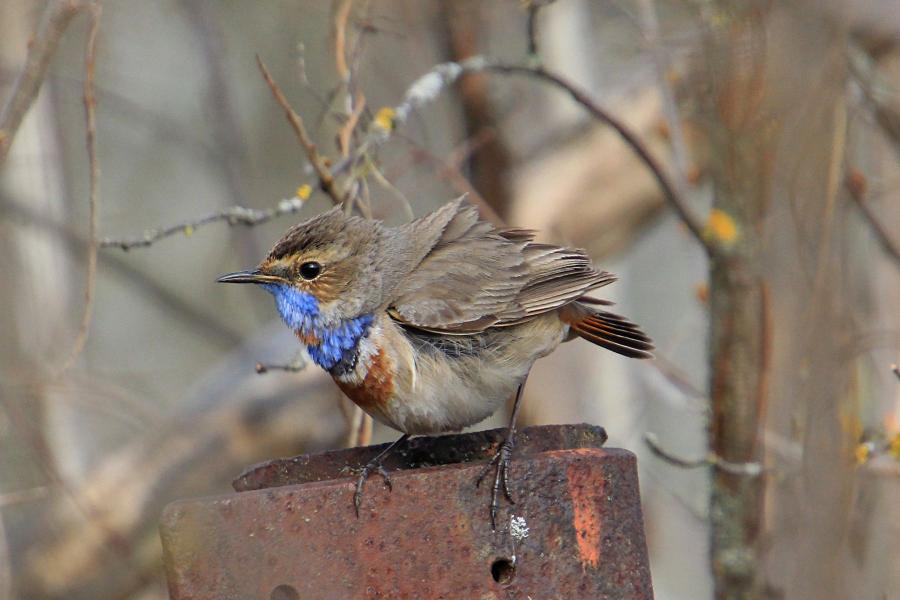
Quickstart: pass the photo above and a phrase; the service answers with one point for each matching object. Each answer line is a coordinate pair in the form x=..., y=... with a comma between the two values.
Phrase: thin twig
x=365, y=430
x=353, y=416
x=227, y=131
x=297, y=364
x=342, y=13
x=650, y=26
x=863, y=67
x=450, y=170
x=27, y=495
x=199, y=318
x=690, y=221
x=234, y=215
x=359, y=431
x=262, y=368
x=750, y=469
x=534, y=7
x=653, y=443
x=679, y=379
x=41, y=47
x=856, y=188
x=345, y=135
x=90, y=117
x=326, y=180
x=390, y=187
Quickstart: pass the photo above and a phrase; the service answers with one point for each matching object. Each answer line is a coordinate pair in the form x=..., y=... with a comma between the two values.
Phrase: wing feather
x=476, y=276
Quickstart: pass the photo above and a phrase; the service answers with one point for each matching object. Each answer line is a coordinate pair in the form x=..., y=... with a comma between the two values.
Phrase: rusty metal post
x=575, y=531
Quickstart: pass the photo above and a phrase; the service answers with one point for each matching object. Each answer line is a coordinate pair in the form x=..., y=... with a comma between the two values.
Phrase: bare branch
x=750, y=469
x=690, y=221
x=876, y=90
x=90, y=117
x=326, y=180
x=881, y=234
x=450, y=170
x=297, y=364
x=43, y=44
x=26, y=495
x=653, y=443
x=234, y=215
x=856, y=186
x=679, y=380
x=534, y=7
x=365, y=430
x=205, y=323
x=345, y=135
x=649, y=21
x=390, y=187
x=342, y=13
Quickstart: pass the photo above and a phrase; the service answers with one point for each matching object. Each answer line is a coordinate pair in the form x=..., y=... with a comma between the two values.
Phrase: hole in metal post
x=284, y=592
x=503, y=570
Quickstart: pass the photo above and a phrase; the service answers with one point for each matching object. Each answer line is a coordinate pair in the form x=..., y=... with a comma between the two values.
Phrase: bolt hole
x=284, y=592
x=503, y=570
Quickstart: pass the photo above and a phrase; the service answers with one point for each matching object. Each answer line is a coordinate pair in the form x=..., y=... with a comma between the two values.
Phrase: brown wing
x=477, y=276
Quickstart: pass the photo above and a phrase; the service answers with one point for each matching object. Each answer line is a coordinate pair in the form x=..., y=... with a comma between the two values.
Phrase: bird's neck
x=332, y=343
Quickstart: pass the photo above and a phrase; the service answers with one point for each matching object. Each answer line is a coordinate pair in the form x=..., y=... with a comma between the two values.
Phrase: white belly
x=464, y=379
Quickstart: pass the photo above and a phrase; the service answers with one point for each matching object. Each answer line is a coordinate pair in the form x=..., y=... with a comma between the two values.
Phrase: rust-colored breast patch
x=308, y=339
x=378, y=386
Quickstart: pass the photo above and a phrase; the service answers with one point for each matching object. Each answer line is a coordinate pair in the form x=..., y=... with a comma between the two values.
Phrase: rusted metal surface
x=430, y=537
x=417, y=453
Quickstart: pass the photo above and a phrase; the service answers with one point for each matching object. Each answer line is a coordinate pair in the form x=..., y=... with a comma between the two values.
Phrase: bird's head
x=323, y=272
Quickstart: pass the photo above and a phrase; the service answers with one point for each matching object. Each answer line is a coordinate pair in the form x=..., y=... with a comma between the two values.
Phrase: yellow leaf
x=862, y=453
x=721, y=227
x=894, y=445
x=304, y=191
x=384, y=118
x=701, y=292
x=189, y=230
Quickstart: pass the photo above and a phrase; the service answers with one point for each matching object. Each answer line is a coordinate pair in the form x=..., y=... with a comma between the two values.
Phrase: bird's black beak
x=254, y=276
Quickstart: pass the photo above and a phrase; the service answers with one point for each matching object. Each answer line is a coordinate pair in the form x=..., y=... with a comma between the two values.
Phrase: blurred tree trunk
x=774, y=115
x=742, y=151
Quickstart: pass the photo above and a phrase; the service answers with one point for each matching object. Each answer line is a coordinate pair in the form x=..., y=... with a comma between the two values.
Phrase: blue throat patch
x=300, y=312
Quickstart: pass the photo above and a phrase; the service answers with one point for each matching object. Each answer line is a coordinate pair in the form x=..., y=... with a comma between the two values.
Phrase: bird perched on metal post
x=430, y=326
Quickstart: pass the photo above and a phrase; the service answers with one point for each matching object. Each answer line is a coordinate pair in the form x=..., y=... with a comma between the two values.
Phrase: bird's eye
x=310, y=270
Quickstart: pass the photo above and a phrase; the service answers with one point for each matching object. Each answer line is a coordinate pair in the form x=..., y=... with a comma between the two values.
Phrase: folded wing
x=477, y=276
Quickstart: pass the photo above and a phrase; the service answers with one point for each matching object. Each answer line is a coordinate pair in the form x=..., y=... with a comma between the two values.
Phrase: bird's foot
x=373, y=466
x=500, y=462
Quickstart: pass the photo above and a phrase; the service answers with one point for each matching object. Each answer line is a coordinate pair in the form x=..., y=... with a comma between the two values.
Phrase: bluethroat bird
x=430, y=326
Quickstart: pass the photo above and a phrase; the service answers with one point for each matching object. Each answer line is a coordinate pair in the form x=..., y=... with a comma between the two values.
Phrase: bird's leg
x=375, y=465
x=501, y=461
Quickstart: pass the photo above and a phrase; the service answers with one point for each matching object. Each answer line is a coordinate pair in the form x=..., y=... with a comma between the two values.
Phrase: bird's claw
x=500, y=461
x=364, y=474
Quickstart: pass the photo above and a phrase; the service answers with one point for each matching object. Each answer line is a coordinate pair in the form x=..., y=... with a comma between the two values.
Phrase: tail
x=606, y=330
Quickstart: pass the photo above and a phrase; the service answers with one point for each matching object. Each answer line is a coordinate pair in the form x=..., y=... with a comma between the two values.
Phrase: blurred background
x=772, y=410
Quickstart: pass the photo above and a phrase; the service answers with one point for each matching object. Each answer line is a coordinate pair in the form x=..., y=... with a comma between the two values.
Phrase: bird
x=432, y=325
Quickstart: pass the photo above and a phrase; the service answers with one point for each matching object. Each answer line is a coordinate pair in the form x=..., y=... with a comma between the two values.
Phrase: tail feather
x=598, y=301
x=607, y=330
x=596, y=325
